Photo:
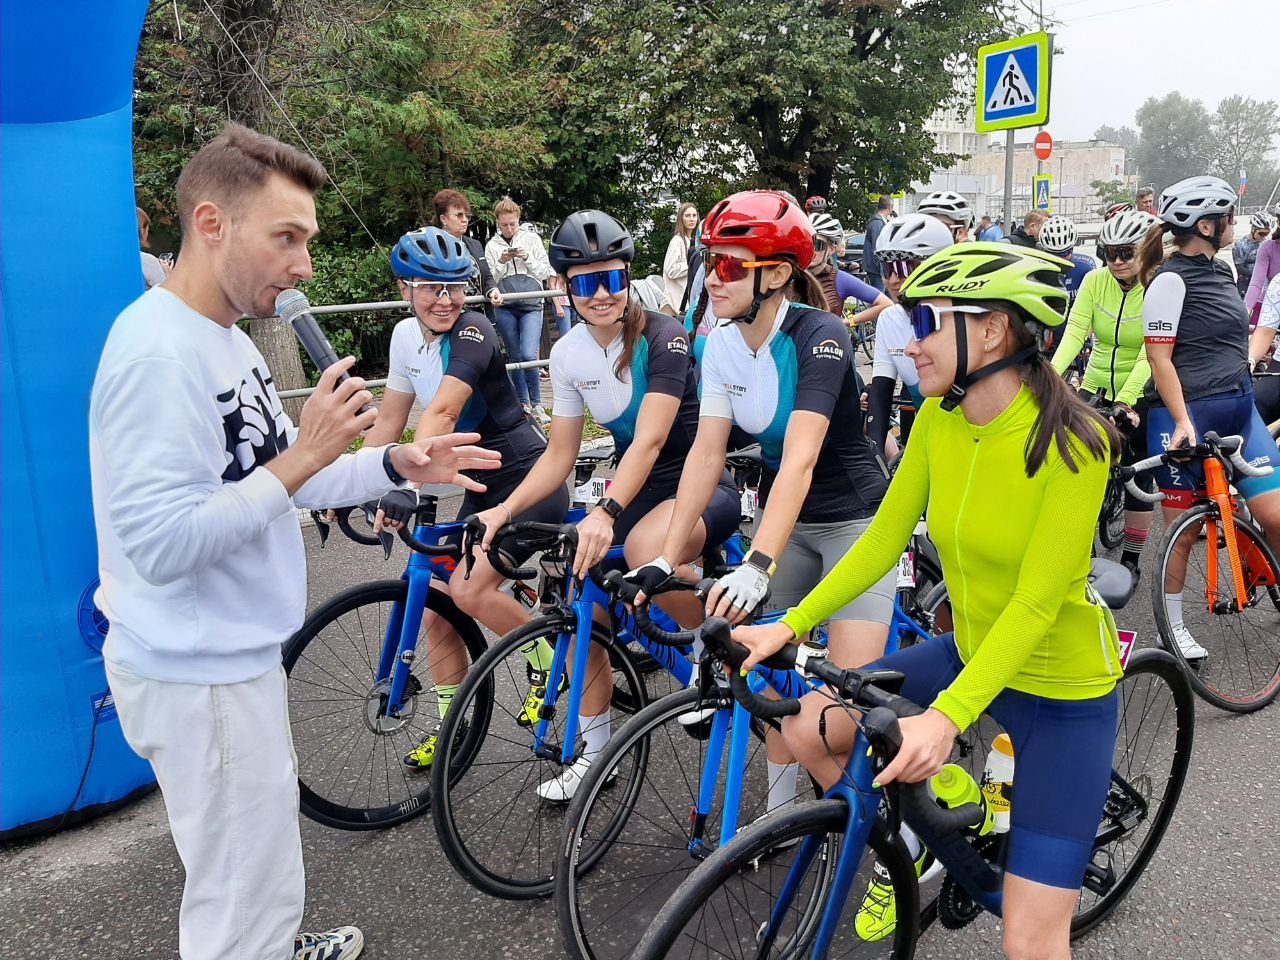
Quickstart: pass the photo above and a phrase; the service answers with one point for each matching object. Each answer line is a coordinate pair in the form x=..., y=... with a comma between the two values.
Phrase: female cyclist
x=450, y=361
x=1030, y=648
x=1108, y=306
x=904, y=244
x=1266, y=266
x=839, y=285
x=781, y=371
x=1197, y=334
x=633, y=371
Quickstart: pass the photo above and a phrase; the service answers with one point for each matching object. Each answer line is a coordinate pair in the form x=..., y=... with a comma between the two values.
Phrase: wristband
x=392, y=475
x=610, y=506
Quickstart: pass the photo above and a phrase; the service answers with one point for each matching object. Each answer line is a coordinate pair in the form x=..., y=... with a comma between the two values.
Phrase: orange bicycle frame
x=1219, y=491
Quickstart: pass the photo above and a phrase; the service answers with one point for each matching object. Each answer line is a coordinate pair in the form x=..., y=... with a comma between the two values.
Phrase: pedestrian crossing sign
x=1043, y=192
x=1013, y=83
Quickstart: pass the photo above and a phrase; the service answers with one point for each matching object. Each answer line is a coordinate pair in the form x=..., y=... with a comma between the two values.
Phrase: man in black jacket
x=1028, y=235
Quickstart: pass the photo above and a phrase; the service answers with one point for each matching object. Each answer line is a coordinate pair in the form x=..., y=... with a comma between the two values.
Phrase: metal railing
x=477, y=300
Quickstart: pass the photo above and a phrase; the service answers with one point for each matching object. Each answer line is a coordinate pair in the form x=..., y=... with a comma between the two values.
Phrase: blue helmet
x=432, y=254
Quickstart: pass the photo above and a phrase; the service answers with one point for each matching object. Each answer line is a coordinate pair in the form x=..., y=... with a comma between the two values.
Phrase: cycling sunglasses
x=439, y=291
x=899, y=268
x=1122, y=254
x=585, y=285
x=926, y=319
x=729, y=268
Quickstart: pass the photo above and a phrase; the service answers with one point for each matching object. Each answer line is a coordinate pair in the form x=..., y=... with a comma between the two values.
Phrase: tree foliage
x=1125, y=136
x=1176, y=141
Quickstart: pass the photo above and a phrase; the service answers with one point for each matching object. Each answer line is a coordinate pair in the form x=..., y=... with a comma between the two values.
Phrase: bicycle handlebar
x=626, y=591
x=1212, y=446
x=865, y=688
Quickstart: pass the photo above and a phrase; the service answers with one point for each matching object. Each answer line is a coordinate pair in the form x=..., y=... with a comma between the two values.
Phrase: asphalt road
x=111, y=888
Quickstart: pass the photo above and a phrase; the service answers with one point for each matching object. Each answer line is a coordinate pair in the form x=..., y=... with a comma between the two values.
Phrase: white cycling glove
x=745, y=587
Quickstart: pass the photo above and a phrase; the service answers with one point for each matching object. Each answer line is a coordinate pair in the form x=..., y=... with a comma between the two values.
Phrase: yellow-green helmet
x=1030, y=279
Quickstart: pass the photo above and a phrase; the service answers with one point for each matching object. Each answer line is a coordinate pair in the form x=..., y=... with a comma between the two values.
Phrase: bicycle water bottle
x=952, y=786
x=997, y=779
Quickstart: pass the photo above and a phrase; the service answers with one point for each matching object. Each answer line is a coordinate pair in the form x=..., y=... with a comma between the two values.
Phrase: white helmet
x=949, y=204
x=827, y=227
x=1189, y=201
x=1262, y=221
x=1057, y=234
x=917, y=236
x=1126, y=228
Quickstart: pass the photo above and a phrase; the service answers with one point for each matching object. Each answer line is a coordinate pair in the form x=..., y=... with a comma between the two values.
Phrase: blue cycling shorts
x=1226, y=414
x=1062, y=753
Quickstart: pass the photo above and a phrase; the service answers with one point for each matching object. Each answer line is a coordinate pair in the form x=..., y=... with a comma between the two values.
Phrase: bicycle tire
x=1137, y=740
x=723, y=875
x=320, y=788
x=1215, y=678
x=936, y=605
x=604, y=902
x=464, y=820
x=868, y=339
x=1111, y=519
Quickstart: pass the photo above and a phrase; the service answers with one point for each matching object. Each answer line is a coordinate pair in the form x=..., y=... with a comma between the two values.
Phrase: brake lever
x=322, y=526
x=472, y=530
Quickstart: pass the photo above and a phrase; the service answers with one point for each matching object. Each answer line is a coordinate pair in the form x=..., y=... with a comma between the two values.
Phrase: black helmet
x=589, y=236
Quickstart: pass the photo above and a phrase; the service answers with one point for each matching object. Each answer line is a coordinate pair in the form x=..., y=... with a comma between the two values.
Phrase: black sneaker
x=340, y=943
x=1134, y=569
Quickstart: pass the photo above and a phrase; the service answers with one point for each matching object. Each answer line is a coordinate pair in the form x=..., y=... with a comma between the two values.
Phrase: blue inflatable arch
x=68, y=264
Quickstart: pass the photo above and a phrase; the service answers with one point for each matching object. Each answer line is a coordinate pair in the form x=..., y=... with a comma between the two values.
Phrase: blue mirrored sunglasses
x=926, y=318
x=585, y=285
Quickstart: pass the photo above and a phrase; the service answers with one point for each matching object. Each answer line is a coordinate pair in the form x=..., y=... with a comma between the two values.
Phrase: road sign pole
x=1008, y=181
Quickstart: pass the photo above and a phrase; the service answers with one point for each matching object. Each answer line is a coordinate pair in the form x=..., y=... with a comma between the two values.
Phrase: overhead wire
x=284, y=113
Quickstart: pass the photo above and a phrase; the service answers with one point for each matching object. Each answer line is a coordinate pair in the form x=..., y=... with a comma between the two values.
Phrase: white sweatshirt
x=200, y=553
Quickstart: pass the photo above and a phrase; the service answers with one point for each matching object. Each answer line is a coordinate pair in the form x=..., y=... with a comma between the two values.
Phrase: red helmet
x=816, y=204
x=766, y=222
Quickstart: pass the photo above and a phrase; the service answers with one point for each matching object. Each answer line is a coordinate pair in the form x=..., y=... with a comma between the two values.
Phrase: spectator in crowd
x=871, y=266
x=519, y=263
x=196, y=472
x=1145, y=200
x=1245, y=250
x=816, y=204
x=1028, y=235
x=453, y=214
x=989, y=230
x=154, y=270
x=675, y=266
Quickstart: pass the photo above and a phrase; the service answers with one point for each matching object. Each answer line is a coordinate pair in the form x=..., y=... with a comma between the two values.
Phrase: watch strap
x=610, y=506
x=761, y=561
x=392, y=475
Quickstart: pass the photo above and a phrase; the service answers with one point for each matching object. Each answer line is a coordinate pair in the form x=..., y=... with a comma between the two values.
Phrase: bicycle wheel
x=1153, y=751
x=349, y=770
x=625, y=851
x=722, y=909
x=868, y=338
x=493, y=826
x=1111, y=519
x=935, y=610
x=1241, y=672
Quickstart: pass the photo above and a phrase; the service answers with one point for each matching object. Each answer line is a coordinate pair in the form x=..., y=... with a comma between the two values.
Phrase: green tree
x=814, y=96
x=1176, y=139
x=1243, y=132
x=1110, y=192
x=1125, y=136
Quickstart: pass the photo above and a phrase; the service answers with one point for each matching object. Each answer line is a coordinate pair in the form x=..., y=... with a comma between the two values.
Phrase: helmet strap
x=758, y=297
x=964, y=380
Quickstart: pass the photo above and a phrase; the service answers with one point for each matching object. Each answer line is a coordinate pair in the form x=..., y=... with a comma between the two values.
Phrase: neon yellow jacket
x=1015, y=557
x=1118, y=367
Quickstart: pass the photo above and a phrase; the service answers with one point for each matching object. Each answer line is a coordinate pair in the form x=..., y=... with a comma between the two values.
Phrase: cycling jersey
x=1118, y=367
x=469, y=352
x=803, y=364
x=893, y=333
x=1192, y=303
x=583, y=378
x=1082, y=266
x=1245, y=254
x=1015, y=556
x=1269, y=315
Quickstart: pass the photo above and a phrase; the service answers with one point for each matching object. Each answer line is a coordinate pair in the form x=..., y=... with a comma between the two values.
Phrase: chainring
x=956, y=909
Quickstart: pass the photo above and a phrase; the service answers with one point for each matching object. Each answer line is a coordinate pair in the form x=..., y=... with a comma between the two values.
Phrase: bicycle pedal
x=549, y=751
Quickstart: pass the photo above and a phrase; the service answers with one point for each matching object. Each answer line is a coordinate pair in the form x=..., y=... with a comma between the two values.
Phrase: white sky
x=1113, y=57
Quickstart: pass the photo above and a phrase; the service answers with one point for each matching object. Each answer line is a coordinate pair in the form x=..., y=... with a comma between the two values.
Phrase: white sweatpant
x=223, y=756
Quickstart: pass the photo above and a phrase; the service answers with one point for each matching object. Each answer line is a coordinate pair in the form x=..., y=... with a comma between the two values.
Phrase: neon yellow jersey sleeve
x=1077, y=332
x=1015, y=557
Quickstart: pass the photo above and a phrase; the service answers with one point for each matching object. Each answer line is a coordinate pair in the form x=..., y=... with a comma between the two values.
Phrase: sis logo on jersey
x=471, y=333
x=829, y=349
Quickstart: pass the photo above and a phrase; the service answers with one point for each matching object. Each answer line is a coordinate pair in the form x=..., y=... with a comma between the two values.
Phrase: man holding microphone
x=196, y=472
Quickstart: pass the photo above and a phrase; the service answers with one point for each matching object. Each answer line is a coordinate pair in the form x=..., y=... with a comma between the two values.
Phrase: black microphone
x=295, y=309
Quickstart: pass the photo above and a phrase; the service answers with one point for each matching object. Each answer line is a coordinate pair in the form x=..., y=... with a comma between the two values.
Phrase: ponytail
x=1151, y=254
x=804, y=288
x=699, y=312
x=633, y=323
x=1064, y=419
